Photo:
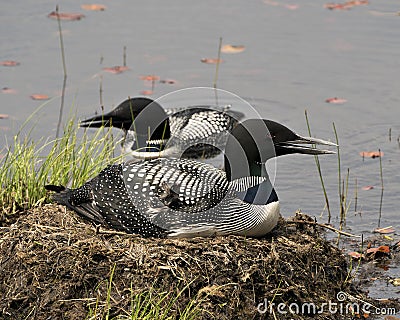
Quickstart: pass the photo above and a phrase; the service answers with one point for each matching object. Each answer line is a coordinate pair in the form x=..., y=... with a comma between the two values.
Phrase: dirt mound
x=53, y=265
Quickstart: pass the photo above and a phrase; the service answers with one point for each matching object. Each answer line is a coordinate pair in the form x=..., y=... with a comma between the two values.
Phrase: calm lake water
x=295, y=58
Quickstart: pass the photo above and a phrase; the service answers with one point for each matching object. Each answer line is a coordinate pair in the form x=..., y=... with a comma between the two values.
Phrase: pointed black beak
x=303, y=145
x=106, y=120
x=124, y=114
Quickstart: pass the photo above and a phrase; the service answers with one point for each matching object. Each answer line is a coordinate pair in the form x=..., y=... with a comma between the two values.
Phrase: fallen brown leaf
x=336, y=100
x=93, y=7
x=384, y=249
x=39, y=97
x=356, y=255
x=371, y=154
x=66, y=16
x=229, y=48
x=116, y=69
x=211, y=60
x=385, y=230
x=150, y=78
x=9, y=63
x=367, y=187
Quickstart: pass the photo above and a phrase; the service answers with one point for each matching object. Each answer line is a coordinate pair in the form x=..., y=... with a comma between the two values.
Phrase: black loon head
x=146, y=115
x=253, y=142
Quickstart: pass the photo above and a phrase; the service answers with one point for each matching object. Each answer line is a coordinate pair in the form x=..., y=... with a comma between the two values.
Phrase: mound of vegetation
x=54, y=265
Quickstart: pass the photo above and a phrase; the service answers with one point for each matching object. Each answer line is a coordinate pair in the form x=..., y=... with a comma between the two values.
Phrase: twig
x=124, y=57
x=323, y=225
x=381, y=173
x=65, y=74
x=356, y=197
x=101, y=92
x=217, y=70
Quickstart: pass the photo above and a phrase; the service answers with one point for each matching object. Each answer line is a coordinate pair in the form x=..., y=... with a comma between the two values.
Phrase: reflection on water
x=295, y=58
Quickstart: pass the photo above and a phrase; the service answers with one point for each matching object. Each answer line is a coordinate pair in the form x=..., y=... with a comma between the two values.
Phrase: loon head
x=254, y=141
x=143, y=116
x=286, y=141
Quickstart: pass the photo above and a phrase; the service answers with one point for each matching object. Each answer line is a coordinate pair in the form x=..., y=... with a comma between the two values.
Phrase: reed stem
x=382, y=188
x=124, y=57
x=319, y=172
x=339, y=171
x=217, y=70
x=65, y=74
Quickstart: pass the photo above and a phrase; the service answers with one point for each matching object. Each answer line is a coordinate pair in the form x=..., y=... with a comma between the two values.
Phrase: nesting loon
x=152, y=132
x=169, y=197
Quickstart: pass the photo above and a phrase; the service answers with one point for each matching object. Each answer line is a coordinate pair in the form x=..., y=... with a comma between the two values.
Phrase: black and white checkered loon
x=152, y=131
x=168, y=197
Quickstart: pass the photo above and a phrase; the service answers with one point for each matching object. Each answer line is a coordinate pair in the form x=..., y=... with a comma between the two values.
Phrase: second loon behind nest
x=153, y=132
x=186, y=198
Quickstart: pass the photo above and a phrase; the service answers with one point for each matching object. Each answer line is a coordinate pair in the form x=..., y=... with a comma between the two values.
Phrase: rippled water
x=294, y=60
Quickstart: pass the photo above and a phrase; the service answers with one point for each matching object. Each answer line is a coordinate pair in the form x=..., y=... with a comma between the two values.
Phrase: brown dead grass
x=54, y=265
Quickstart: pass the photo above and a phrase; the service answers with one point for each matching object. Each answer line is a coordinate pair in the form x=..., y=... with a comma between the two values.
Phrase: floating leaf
x=367, y=187
x=292, y=6
x=385, y=230
x=168, y=81
x=150, y=78
x=211, y=60
x=371, y=154
x=336, y=100
x=346, y=5
x=65, y=16
x=93, y=7
x=228, y=48
x=8, y=90
x=147, y=92
x=337, y=6
x=116, y=69
x=4, y=116
x=39, y=97
x=9, y=63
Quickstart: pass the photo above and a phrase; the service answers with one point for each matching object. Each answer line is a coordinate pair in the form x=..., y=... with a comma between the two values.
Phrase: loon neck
x=247, y=150
x=151, y=123
x=248, y=147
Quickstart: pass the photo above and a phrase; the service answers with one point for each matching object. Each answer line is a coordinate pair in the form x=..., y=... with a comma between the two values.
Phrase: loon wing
x=200, y=132
x=171, y=192
x=104, y=200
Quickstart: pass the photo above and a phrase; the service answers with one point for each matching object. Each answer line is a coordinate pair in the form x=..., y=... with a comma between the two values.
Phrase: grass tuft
x=69, y=160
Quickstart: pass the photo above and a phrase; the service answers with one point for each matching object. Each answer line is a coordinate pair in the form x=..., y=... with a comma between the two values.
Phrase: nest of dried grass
x=54, y=265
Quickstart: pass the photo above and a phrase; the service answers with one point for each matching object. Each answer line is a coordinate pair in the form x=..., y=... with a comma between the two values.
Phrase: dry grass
x=53, y=265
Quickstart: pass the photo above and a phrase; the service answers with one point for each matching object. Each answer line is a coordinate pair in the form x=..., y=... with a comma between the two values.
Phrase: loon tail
x=61, y=195
x=78, y=200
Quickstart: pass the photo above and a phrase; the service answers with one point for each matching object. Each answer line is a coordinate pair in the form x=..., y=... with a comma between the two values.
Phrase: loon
x=169, y=197
x=191, y=132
